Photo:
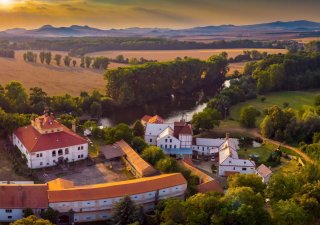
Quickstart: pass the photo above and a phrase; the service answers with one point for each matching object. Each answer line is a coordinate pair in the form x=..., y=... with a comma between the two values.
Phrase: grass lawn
x=296, y=99
x=263, y=152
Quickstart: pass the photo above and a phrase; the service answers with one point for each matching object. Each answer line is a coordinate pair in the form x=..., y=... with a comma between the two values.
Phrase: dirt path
x=256, y=134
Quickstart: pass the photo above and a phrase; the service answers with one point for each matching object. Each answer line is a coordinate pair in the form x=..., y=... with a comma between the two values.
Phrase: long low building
x=15, y=198
x=89, y=203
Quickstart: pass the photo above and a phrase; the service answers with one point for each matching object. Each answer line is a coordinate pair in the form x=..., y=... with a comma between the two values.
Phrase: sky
x=108, y=14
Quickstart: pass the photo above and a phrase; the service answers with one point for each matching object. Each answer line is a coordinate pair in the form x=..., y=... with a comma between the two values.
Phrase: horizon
x=172, y=28
x=173, y=14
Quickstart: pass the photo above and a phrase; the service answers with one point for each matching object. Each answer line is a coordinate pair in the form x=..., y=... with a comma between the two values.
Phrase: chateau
x=46, y=143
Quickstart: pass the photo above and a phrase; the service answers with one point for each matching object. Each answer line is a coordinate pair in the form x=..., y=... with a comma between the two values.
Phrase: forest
x=144, y=83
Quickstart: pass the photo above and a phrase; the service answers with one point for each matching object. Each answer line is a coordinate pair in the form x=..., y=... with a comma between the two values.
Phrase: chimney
x=227, y=136
x=74, y=127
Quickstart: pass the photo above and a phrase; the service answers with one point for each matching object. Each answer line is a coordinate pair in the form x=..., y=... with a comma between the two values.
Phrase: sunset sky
x=152, y=13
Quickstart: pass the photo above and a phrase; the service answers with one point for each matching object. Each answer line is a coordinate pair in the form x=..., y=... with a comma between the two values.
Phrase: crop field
x=53, y=79
x=166, y=55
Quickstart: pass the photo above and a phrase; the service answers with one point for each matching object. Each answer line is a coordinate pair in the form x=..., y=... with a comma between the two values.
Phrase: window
x=66, y=151
x=54, y=161
x=229, y=161
x=165, y=146
x=54, y=154
x=41, y=163
x=60, y=152
x=170, y=140
x=78, y=148
x=244, y=169
x=81, y=147
x=150, y=140
x=166, y=140
x=234, y=168
x=245, y=162
x=170, y=146
x=9, y=217
x=175, y=146
x=8, y=210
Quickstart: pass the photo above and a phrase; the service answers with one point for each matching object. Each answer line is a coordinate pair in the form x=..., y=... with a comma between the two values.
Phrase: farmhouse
x=173, y=139
x=229, y=162
x=47, y=143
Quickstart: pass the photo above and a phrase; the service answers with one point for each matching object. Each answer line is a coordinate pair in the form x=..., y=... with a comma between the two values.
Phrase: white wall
x=168, y=142
x=150, y=139
x=15, y=214
x=46, y=159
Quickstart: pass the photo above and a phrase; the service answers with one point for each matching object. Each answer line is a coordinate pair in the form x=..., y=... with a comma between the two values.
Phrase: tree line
x=79, y=46
x=150, y=81
x=46, y=57
x=7, y=53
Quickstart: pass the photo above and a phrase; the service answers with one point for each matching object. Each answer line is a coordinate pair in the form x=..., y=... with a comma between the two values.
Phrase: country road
x=256, y=134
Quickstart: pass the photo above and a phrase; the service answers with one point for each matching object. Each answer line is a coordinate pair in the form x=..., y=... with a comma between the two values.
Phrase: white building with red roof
x=172, y=138
x=46, y=143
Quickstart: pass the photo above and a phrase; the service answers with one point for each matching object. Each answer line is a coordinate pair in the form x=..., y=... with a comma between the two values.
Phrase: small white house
x=229, y=162
x=46, y=143
x=264, y=172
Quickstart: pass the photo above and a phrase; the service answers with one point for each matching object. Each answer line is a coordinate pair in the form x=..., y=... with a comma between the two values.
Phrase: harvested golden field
x=55, y=80
x=166, y=55
x=307, y=39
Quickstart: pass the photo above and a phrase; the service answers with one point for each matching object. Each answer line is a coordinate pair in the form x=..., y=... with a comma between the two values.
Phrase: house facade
x=207, y=146
x=173, y=138
x=46, y=143
x=229, y=162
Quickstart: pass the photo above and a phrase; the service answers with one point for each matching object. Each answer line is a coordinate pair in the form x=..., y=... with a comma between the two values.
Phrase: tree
x=88, y=61
x=167, y=165
x=125, y=212
x=317, y=100
x=57, y=58
x=96, y=109
x=32, y=220
x=67, y=60
x=139, y=144
x=48, y=57
x=206, y=120
x=42, y=57
x=100, y=63
x=38, y=100
x=27, y=212
x=247, y=180
x=120, y=132
x=282, y=187
x=50, y=214
x=289, y=213
x=15, y=92
x=138, y=129
x=248, y=115
x=152, y=154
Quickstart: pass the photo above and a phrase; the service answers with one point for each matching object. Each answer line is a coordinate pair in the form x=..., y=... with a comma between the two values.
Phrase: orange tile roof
x=113, y=190
x=143, y=168
x=47, y=122
x=32, y=196
x=146, y=118
x=35, y=141
x=152, y=119
x=210, y=186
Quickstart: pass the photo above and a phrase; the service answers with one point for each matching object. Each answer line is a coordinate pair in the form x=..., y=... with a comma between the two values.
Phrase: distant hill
x=240, y=31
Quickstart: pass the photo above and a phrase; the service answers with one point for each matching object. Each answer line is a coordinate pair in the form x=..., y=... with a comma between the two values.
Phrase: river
x=171, y=109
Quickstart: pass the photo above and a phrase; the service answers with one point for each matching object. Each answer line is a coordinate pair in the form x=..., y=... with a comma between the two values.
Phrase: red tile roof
x=35, y=141
x=114, y=189
x=182, y=128
x=210, y=186
x=32, y=196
